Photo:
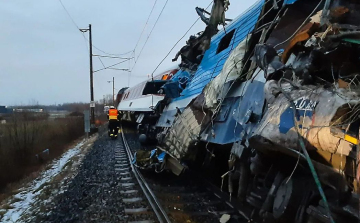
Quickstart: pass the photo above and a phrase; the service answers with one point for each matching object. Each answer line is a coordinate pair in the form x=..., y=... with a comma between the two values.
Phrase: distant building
x=34, y=110
x=5, y=110
x=58, y=114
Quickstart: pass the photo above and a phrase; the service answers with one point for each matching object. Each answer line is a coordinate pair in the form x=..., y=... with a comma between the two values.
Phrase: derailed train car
x=274, y=97
x=143, y=102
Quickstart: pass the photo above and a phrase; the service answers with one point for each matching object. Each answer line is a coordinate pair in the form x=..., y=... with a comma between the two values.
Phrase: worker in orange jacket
x=114, y=121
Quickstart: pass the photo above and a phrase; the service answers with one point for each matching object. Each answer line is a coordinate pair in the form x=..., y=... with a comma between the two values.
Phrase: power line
x=150, y=33
x=113, y=54
x=142, y=32
x=67, y=12
x=178, y=42
x=101, y=62
x=73, y=21
x=95, y=55
x=112, y=66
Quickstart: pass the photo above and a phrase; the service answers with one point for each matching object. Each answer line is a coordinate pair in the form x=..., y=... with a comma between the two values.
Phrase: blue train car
x=213, y=60
x=272, y=108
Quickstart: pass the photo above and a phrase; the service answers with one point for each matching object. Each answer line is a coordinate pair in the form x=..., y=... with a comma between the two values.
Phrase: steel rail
x=150, y=196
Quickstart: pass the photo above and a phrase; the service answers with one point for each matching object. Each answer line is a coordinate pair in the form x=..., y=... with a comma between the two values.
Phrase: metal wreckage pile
x=297, y=121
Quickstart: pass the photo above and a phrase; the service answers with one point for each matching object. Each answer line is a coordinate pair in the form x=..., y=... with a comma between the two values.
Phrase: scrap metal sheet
x=317, y=108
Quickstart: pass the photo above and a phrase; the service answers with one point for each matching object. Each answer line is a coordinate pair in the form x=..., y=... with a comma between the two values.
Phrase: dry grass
x=25, y=136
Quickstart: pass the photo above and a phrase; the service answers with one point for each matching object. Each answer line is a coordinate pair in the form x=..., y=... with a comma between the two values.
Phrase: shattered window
x=225, y=41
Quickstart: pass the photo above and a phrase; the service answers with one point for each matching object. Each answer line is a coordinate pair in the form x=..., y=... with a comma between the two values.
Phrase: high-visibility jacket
x=113, y=114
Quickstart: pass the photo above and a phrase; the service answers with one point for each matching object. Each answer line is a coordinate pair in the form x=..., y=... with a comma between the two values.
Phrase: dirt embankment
x=35, y=194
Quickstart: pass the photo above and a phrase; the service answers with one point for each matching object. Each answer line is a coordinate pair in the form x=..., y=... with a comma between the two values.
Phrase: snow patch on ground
x=22, y=201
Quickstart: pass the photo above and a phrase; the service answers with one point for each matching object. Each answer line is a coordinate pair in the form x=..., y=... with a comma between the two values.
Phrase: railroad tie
x=122, y=165
x=129, y=191
x=127, y=184
x=125, y=173
x=135, y=210
x=122, y=169
x=146, y=221
x=132, y=200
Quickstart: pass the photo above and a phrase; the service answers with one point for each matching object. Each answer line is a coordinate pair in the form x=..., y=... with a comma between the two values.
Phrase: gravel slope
x=93, y=195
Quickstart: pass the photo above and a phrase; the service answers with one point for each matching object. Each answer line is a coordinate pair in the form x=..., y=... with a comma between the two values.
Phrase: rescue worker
x=114, y=121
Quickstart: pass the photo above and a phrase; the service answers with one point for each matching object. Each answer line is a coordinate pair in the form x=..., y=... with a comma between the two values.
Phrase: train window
x=153, y=87
x=225, y=41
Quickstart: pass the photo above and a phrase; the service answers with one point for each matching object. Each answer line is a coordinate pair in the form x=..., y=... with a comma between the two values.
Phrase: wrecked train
x=142, y=103
x=272, y=99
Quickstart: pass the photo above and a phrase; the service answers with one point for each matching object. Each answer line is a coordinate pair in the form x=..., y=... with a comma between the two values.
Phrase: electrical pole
x=113, y=86
x=113, y=91
x=92, y=102
x=92, y=112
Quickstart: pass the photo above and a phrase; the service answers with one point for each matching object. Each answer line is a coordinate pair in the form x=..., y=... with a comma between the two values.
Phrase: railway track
x=184, y=199
x=137, y=193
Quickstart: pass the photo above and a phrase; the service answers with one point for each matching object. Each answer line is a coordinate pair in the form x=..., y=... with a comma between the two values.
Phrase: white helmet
x=112, y=107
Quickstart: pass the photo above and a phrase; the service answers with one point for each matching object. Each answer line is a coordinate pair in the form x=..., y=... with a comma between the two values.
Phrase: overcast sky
x=45, y=58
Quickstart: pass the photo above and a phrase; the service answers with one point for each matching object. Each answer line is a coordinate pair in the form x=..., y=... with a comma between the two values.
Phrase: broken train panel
x=210, y=60
x=192, y=120
x=291, y=83
x=301, y=84
x=311, y=118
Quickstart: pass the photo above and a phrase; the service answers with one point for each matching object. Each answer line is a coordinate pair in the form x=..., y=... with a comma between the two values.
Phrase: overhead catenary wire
x=178, y=42
x=112, y=66
x=162, y=10
x=113, y=57
x=104, y=67
x=147, y=21
x=74, y=23
x=102, y=62
x=97, y=48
